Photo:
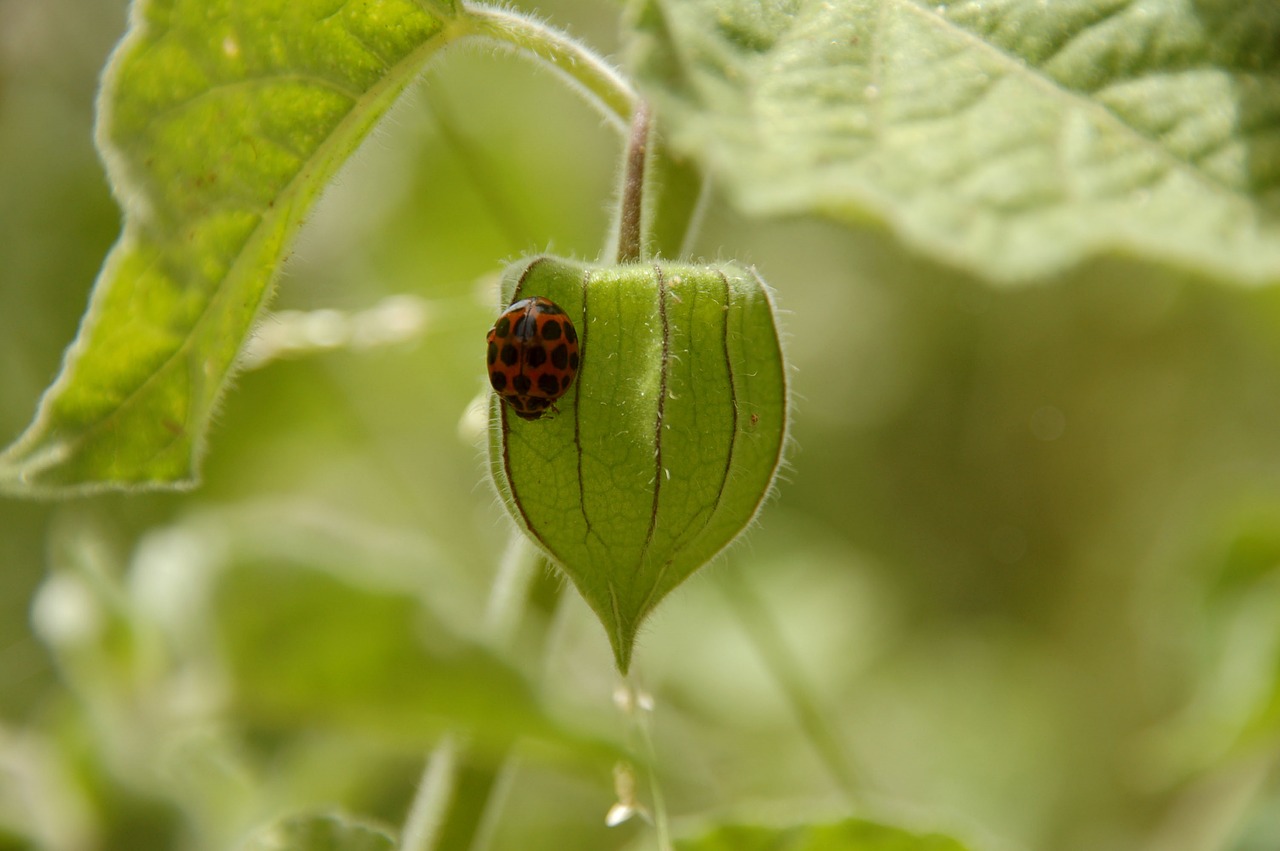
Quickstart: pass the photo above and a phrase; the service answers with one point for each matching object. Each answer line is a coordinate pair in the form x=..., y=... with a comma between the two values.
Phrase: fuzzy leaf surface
x=220, y=123
x=1012, y=138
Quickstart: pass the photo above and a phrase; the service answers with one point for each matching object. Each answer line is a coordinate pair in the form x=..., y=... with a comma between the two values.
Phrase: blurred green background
x=1023, y=559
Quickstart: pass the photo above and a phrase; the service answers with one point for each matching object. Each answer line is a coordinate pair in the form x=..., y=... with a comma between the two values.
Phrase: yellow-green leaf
x=220, y=123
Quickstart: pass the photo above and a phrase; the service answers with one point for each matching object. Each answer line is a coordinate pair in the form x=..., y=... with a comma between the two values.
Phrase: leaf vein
x=664, y=367
x=1074, y=98
x=283, y=209
x=261, y=81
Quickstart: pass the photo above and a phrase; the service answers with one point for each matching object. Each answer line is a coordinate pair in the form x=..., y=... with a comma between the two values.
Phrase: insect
x=533, y=356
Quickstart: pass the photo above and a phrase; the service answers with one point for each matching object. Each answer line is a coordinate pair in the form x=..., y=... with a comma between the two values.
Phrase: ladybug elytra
x=532, y=355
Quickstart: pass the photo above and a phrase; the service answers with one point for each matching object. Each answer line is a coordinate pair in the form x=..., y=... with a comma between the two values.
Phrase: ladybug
x=533, y=355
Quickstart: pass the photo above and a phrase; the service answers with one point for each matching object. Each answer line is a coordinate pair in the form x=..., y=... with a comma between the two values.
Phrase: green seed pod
x=665, y=446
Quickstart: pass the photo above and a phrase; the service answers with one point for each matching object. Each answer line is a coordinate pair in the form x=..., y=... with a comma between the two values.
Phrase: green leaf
x=850, y=835
x=668, y=442
x=319, y=832
x=220, y=123
x=304, y=647
x=1012, y=138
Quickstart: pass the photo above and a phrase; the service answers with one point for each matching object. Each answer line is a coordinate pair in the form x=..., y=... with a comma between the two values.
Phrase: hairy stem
x=631, y=203
x=586, y=71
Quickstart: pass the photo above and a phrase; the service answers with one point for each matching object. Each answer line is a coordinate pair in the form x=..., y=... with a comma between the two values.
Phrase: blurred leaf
x=1252, y=553
x=319, y=832
x=220, y=124
x=306, y=648
x=850, y=835
x=1012, y=138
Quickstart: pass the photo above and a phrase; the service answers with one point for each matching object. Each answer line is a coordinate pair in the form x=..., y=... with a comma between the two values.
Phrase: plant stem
x=762, y=629
x=430, y=806
x=429, y=817
x=510, y=592
x=631, y=203
x=606, y=89
x=638, y=707
x=587, y=72
x=491, y=815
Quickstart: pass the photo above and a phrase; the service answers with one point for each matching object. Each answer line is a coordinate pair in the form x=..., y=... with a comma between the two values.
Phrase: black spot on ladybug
x=548, y=384
x=565, y=382
x=560, y=356
x=551, y=330
x=502, y=327
x=549, y=308
x=493, y=353
x=510, y=354
x=535, y=356
x=570, y=333
x=498, y=379
x=521, y=384
x=573, y=361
